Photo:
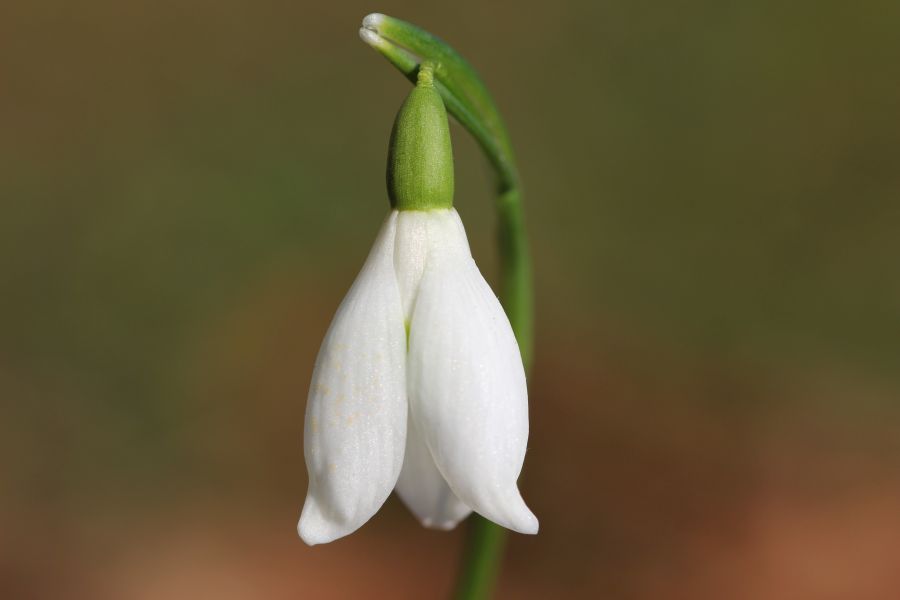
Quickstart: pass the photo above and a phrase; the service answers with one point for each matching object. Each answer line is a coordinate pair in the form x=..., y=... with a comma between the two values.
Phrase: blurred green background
x=713, y=194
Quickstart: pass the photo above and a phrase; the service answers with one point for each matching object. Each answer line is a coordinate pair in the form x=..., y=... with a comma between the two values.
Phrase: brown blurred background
x=713, y=193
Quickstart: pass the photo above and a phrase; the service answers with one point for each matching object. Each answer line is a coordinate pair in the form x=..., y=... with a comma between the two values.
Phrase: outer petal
x=423, y=489
x=357, y=410
x=466, y=380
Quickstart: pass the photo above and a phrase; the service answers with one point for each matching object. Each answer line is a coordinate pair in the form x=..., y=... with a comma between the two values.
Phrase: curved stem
x=516, y=293
x=467, y=99
x=465, y=95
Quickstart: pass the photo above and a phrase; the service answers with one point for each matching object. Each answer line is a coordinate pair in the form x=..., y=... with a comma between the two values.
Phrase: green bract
x=420, y=157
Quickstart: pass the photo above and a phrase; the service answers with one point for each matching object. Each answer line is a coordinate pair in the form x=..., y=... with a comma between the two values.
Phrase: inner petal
x=410, y=253
x=422, y=487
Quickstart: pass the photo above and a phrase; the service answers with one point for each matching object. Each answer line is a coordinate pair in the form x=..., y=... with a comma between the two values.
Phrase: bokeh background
x=713, y=194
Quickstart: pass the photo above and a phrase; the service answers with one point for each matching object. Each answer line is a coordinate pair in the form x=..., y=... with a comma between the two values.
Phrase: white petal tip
x=313, y=533
x=313, y=528
x=372, y=21
x=439, y=525
x=308, y=534
x=515, y=515
x=528, y=525
x=305, y=534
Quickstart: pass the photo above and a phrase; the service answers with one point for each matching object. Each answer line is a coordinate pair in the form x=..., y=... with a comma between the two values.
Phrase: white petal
x=356, y=414
x=423, y=489
x=466, y=381
x=410, y=252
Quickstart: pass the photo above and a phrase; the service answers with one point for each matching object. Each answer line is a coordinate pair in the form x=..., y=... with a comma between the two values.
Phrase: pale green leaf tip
x=372, y=21
x=369, y=30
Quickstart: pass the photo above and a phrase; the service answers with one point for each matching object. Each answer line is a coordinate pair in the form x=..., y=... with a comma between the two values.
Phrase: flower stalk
x=409, y=49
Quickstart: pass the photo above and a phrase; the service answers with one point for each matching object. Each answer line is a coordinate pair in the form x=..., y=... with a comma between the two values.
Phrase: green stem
x=482, y=555
x=516, y=292
x=467, y=99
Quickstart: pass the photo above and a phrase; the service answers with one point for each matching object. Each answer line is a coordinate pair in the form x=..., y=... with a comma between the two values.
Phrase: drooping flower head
x=419, y=385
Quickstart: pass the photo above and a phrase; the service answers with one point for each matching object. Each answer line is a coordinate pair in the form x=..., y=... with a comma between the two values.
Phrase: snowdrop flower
x=419, y=386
